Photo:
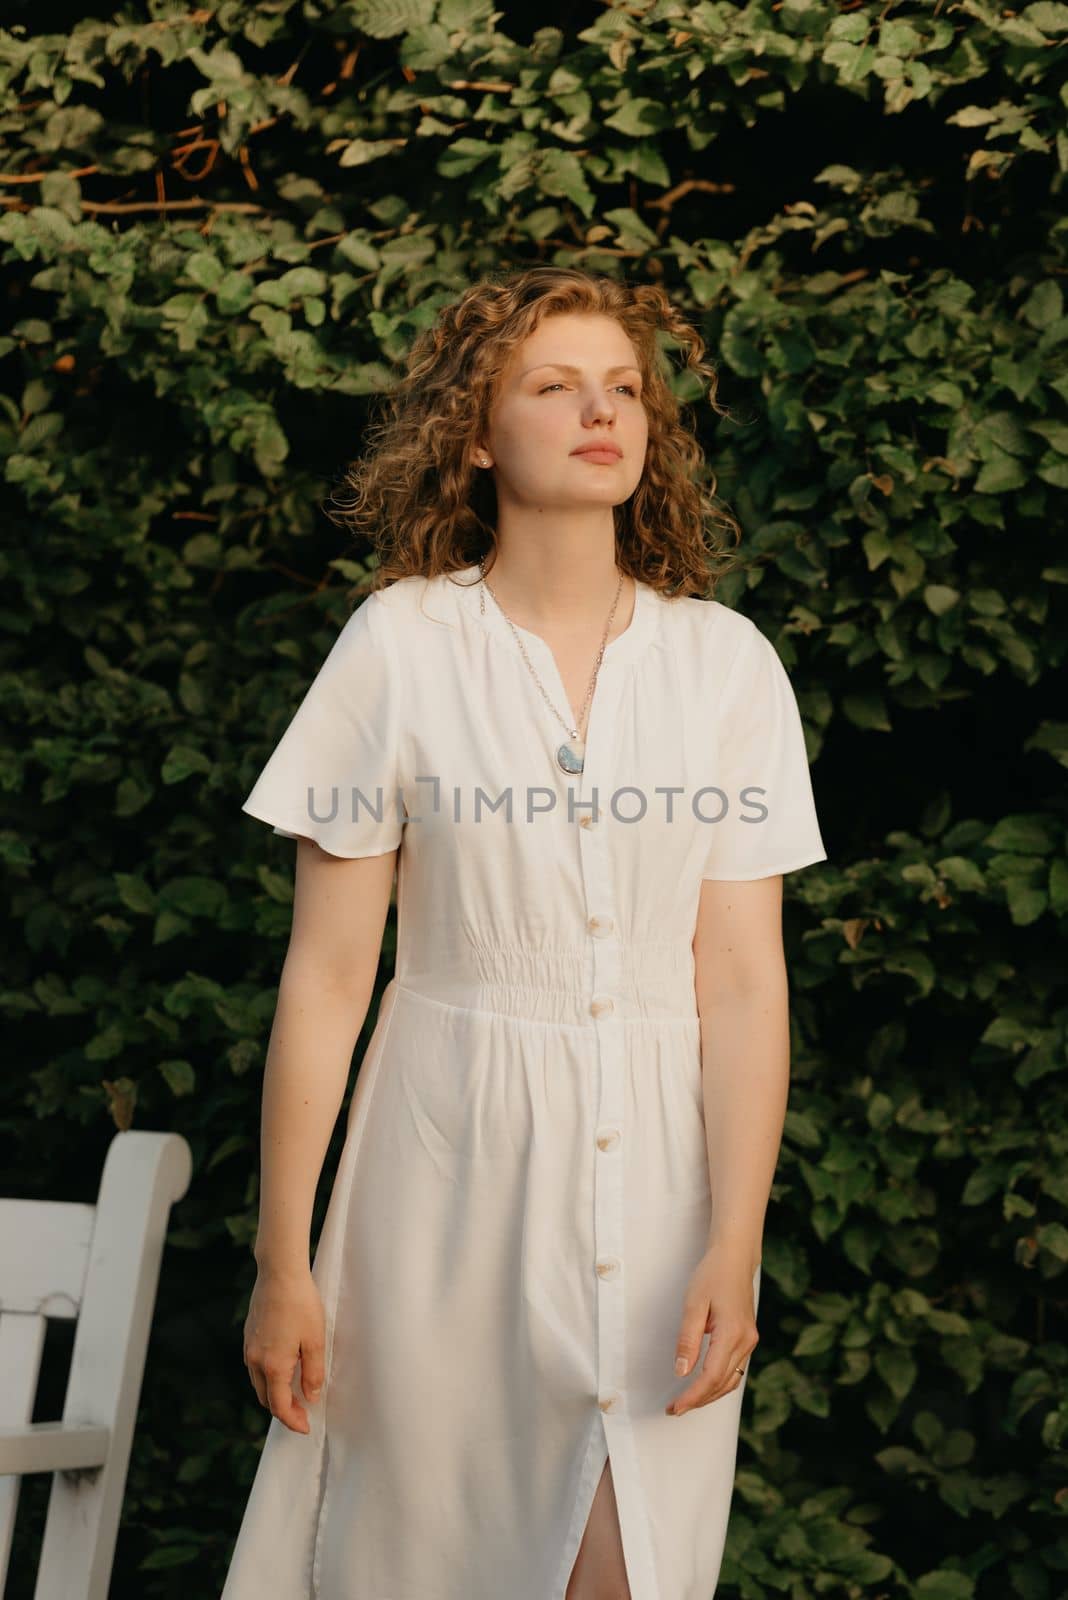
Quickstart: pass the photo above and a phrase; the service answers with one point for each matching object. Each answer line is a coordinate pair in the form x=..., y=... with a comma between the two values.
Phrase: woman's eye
x=629, y=387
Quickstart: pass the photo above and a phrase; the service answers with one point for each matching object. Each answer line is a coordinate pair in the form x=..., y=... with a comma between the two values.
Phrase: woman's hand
x=719, y=1300
x=285, y=1323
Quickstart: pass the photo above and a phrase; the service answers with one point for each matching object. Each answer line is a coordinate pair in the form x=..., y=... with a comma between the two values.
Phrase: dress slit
x=597, y=1453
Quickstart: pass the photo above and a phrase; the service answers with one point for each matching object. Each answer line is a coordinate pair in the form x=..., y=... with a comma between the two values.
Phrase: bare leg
x=599, y=1572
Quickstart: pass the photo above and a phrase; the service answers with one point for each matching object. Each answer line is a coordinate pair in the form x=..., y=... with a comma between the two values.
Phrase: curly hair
x=426, y=510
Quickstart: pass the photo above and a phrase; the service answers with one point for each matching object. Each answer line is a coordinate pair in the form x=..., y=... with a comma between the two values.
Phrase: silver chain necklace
x=571, y=755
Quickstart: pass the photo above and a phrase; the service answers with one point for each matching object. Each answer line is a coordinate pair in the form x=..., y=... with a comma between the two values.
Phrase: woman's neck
x=567, y=594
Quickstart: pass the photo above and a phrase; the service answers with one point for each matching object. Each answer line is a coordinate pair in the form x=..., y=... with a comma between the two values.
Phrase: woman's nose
x=599, y=407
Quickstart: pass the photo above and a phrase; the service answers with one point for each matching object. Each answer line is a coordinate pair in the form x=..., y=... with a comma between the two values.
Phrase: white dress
x=523, y=1191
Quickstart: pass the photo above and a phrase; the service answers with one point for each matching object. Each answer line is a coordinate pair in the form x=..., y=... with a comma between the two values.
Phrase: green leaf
x=944, y=1584
x=179, y=1075
x=800, y=1129
x=1026, y=904
x=897, y=1370
x=463, y=16
x=1000, y=473
x=1047, y=15
x=1000, y=431
x=386, y=19
x=1044, y=305
x=638, y=117
x=948, y=1322
x=1052, y=737
x=106, y=1044
x=171, y=1555
x=222, y=66
x=913, y=964
x=1024, y=833
x=973, y=117
x=426, y=49
x=867, y=710
x=135, y=893
x=1053, y=1237
x=815, y=1340
x=632, y=232
x=205, y=269
x=1055, y=433
x=170, y=925
x=1058, y=887
x=648, y=165
x=1008, y=1033
x=561, y=173
x=183, y=762
x=464, y=155
x=195, y=896
x=962, y=873
x=940, y=598
x=361, y=152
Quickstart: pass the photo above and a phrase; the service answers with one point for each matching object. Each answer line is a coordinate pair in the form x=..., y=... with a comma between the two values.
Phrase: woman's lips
x=604, y=456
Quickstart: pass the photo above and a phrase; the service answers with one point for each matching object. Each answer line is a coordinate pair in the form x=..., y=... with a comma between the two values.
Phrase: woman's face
x=573, y=383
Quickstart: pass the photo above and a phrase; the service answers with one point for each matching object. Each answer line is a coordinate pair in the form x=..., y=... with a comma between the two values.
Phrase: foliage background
x=221, y=228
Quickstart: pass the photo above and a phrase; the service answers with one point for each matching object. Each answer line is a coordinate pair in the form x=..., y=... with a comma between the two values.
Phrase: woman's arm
x=339, y=913
x=743, y=1002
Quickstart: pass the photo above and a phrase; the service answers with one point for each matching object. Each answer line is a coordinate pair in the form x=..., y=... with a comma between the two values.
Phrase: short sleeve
x=333, y=776
x=770, y=825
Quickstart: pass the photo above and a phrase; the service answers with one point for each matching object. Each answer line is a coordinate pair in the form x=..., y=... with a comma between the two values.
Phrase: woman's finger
x=258, y=1382
x=716, y=1379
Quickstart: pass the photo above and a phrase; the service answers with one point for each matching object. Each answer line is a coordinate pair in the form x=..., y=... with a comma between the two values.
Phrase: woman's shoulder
x=708, y=626
x=413, y=601
x=398, y=594
x=398, y=602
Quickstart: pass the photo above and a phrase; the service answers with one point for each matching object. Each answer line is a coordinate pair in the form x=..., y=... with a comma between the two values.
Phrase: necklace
x=570, y=755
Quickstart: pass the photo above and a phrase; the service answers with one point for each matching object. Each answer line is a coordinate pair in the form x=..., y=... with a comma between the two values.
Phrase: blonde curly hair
x=425, y=509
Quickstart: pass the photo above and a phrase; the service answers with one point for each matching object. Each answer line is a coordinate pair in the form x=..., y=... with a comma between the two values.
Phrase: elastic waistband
x=667, y=999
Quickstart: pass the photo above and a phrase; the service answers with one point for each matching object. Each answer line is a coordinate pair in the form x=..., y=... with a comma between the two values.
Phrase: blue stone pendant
x=570, y=758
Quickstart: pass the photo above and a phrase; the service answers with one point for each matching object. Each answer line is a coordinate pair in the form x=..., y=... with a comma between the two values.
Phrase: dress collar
x=453, y=597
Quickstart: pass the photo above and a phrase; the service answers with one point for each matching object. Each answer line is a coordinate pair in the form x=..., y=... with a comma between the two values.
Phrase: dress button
x=601, y=1007
x=586, y=821
x=600, y=927
x=608, y=1140
x=607, y=1267
x=609, y=1402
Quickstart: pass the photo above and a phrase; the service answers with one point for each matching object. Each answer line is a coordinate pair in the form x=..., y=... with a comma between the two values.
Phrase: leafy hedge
x=221, y=230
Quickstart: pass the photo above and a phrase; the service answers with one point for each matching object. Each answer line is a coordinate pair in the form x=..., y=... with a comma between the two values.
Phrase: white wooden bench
x=99, y=1264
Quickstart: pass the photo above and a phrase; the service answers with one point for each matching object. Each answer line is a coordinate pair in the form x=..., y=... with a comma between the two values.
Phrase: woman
x=563, y=1134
